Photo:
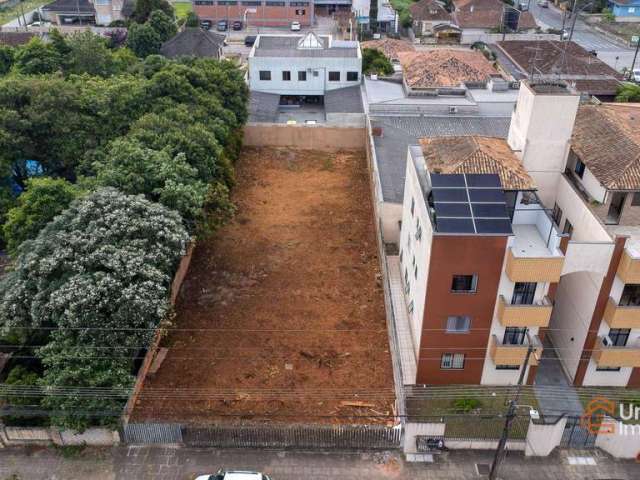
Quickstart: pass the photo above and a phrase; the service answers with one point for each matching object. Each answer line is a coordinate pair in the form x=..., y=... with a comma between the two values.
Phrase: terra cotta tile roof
x=487, y=14
x=476, y=155
x=445, y=68
x=389, y=46
x=606, y=137
x=429, y=10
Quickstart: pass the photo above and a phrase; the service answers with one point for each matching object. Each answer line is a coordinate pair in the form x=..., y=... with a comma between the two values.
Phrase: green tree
x=88, y=53
x=374, y=62
x=43, y=199
x=163, y=24
x=6, y=59
x=59, y=42
x=37, y=57
x=628, y=92
x=143, y=40
x=144, y=8
x=192, y=20
x=19, y=376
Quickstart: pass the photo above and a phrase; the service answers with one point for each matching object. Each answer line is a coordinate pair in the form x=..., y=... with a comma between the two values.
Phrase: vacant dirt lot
x=281, y=316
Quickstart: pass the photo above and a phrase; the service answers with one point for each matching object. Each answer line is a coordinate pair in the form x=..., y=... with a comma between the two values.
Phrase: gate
x=149, y=433
x=340, y=437
x=576, y=435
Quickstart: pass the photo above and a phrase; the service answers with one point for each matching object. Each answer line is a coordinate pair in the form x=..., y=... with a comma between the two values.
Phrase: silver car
x=234, y=475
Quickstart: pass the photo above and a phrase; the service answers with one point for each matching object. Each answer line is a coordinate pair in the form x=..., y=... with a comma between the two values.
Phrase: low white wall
x=514, y=445
x=92, y=436
x=543, y=438
x=474, y=35
x=620, y=444
x=390, y=215
x=412, y=430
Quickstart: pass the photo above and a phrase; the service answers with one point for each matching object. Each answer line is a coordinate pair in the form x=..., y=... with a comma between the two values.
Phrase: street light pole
x=511, y=415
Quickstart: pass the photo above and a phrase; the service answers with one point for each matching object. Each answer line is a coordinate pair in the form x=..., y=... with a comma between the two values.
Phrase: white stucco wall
x=590, y=184
x=618, y=444
x=542, y=439
x=412, y=248
x=314, y=85
x=390, y=216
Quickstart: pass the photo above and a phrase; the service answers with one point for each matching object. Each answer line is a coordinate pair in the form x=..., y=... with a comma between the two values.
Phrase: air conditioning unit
x=453, y=110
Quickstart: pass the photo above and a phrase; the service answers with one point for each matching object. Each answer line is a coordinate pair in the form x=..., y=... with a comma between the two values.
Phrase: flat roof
x=287, y=46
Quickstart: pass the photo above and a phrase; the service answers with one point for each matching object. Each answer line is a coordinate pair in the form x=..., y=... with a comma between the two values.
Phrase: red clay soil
x=281, y=315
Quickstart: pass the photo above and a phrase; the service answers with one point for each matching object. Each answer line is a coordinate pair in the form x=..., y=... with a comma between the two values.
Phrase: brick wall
x=266, y=15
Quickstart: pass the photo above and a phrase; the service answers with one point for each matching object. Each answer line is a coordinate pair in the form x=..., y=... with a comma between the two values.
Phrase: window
x=418, y=230
x=275, y=4
x=415, y=272
x=334, y=76
x=451, y=361
x=413, y=206
x=514, y=336
x=523, y=293
x=631, y=9
x=630, y=296
x=227, y=2
x=635, y=200
x=507, y=367
x=458, y=324
x=556, y=214
x=579, y=168
x=464, y=283
x=200, y=2
x=265, y=75
x=299, y=4
x=251, y=4
x=316, y=73
x=352, y=76
x=286, y=76
x=615, y=208
x=619, y=337
x=568, y=228
x=401, y=254
x=302, y=76
x=411, y=307
x=301, y=12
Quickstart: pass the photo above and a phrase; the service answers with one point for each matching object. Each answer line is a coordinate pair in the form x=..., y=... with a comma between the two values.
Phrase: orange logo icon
x=595, y=416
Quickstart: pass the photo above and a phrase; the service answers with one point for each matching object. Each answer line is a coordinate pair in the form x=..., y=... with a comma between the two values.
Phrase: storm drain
x=483, y=468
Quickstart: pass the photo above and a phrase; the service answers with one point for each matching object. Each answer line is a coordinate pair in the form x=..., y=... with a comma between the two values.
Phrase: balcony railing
x=618, y=316
x=533, y=269
x=629, y=268
x=509, y=354
x=607, y=355
x=537, y=314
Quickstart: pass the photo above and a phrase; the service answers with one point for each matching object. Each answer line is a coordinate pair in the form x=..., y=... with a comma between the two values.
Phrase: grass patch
x=182, y=9
x=71, y=451
x=10, y=13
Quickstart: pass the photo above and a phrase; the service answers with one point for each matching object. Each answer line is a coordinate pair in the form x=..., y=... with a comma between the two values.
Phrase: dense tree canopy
x=628, y=92
x=374, y=62
x=143, y=40
x=163, y=24
x=144, y=8
x=6, y=59
x=37, y=57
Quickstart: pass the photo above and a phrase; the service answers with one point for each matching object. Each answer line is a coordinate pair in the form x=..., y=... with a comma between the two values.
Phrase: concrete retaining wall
x=412, y=430
x=513, y=445
x=310, y=137
x=17, y=436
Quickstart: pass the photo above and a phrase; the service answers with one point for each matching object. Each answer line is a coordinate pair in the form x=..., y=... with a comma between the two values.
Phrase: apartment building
x=530, y=241
x=257, y=13
x=303, y=65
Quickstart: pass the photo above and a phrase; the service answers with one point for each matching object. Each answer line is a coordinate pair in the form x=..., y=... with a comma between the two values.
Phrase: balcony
x=606, y=355
x=618, y=316
x=629, y=268
x=507, y=354
x=534, y=315
x=522, y=268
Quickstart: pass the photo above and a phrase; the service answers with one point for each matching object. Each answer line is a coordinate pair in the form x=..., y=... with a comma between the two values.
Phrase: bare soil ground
x=281, y=315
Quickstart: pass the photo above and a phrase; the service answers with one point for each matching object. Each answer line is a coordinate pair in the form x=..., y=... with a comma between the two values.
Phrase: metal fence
x=339, y=437
x=576, y=435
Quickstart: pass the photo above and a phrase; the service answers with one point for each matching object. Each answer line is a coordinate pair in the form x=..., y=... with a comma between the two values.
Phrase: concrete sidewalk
x=129, y=463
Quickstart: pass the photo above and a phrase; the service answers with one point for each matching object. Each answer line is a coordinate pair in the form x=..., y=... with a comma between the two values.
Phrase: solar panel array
x=470, y=203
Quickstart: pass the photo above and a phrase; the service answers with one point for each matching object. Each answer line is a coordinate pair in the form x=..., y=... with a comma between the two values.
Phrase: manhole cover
x=483, y=468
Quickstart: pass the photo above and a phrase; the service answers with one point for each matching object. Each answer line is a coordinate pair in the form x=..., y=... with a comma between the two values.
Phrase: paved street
x=139, y=463
x=609, y=52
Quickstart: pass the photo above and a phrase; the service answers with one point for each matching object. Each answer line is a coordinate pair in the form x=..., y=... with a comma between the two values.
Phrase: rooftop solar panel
x=455, y=225
x=450, y=195
x=453, y=210
x=483, y=180
x=493, y=225
x=452, y=180
x=490, y=210
x=486, y=195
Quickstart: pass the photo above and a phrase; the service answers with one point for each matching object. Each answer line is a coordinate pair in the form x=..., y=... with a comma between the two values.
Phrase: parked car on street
x=237, y=25
x=636, y=75
x=222, y=26
x=543, y=3
x=249, y=40
x=523, y=6
x=205, y=24
x=295, y=26
x=233, y=475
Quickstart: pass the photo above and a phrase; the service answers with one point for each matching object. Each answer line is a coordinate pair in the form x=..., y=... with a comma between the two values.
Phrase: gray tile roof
x=398, y=133
x=193, y=42
x=263, y=107
x=287, y=46
x=70, y=6
x=343, y=100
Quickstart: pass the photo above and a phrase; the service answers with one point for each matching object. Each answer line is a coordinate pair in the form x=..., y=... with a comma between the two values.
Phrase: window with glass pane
x=334, y=76
x=523, y=293
x=458, y=324
x=619, y=336
x=579, y=168
x=302, y=76
x=630, y=296
x=452, y=361
x=286, y=76
x=514, y=336
x=464, y=283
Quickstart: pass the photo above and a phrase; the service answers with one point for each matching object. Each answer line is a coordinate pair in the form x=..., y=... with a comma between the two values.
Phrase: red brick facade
x=270, y=13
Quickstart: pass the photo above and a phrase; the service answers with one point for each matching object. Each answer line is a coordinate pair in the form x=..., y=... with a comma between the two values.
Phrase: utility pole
x=575, y=16
x=511, y=415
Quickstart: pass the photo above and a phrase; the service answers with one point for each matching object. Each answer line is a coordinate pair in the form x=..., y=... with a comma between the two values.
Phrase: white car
x=234, y=475
x=295, y=26
x=636, y=75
